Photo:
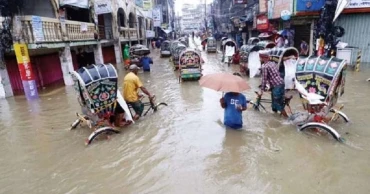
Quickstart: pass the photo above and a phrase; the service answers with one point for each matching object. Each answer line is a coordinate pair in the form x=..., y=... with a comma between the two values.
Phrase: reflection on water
x=183, y=148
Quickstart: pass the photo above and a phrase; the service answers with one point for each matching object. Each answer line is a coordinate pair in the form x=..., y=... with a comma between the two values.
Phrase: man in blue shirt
x=146, y=62
x=234, y=104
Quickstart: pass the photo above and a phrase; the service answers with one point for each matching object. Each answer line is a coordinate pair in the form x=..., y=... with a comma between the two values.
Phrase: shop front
x=279, y=12
x=303, y=23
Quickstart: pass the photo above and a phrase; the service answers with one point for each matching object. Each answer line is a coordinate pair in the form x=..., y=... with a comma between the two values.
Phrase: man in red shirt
x=271, y=76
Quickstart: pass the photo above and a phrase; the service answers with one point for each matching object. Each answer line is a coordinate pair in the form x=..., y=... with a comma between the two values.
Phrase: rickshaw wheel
x=340, y=114
x=96, y=133
x=321, y=126
x=75, y=124
x=155, y=108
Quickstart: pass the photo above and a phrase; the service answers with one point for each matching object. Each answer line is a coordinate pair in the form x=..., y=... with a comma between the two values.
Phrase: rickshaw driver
x=131, y=84
x=271, y=75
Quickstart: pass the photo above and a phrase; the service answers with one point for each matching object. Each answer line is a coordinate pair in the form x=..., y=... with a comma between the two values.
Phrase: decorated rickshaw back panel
x=190, y=58
x=98, y=85
x=322, y=75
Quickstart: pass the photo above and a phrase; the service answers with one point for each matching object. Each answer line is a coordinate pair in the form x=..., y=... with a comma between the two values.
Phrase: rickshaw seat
x=314, y=99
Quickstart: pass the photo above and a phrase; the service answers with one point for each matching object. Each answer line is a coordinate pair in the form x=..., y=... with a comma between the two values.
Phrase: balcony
x=50, y=30
x=128, y=33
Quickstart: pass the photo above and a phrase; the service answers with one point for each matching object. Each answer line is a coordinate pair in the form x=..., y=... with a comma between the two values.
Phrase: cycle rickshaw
x=176, y=55
x=190, y=67
x=320, y=82
x=211, y=44
x=166, y=48
x=229, y=49
x=98, y=96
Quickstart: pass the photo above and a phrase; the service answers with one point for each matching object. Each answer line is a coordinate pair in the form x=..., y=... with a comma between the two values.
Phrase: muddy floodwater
x=183, y=148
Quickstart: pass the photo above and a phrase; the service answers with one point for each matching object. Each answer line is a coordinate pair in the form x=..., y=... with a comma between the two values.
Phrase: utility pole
x=205, y=16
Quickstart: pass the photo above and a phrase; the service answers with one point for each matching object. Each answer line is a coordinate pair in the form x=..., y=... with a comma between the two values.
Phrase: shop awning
x=77, y=3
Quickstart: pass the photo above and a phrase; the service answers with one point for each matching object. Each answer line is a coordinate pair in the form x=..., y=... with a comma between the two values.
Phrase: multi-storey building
x=62, y=35
x=193, y=17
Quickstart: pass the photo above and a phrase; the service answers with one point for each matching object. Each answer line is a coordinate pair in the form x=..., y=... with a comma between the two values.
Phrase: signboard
x=262, y=23
x=157, y=17
x=147, y=5
x=38, y=33
x=275, y=7
x=102, y=7
x=25, y=70
x=150, y=34
x=77, y=3
x=358, y=4
x=309, y=5
x=263, y=6
x=139, y=3
x=285, y=15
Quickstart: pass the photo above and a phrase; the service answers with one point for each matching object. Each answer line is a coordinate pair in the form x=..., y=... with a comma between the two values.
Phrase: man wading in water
x=271, y=76
x=234, y=104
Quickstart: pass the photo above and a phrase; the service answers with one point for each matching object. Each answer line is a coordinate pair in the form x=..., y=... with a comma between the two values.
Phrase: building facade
x=60, y=36
x=192, y=18
x=297, y=18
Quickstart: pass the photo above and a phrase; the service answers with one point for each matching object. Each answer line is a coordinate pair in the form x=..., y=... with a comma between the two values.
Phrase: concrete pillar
x=117, y=42
x=118, y=52
x=26, y=71
x=98, y=54
x=67, y=65
x=5, y=87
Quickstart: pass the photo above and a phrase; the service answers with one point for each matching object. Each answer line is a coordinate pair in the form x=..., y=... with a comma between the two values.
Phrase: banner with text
x=25, y=70
x=147, y=5
x=157, y=17
x=102, y=7
x=358, y=4
x=309, y=5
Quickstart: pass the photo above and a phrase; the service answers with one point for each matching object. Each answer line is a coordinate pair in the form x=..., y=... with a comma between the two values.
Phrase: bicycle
x=101, y=126
x=151, y=104
x=259, y=100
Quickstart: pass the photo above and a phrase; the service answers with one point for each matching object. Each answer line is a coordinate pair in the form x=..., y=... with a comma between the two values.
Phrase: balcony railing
x=50, y=30
x=128, y=33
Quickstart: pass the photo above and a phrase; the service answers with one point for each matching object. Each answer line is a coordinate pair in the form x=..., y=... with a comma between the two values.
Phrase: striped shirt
x=271, y=75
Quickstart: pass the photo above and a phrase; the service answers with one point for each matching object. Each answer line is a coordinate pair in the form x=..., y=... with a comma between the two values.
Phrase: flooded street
x=183, y=148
